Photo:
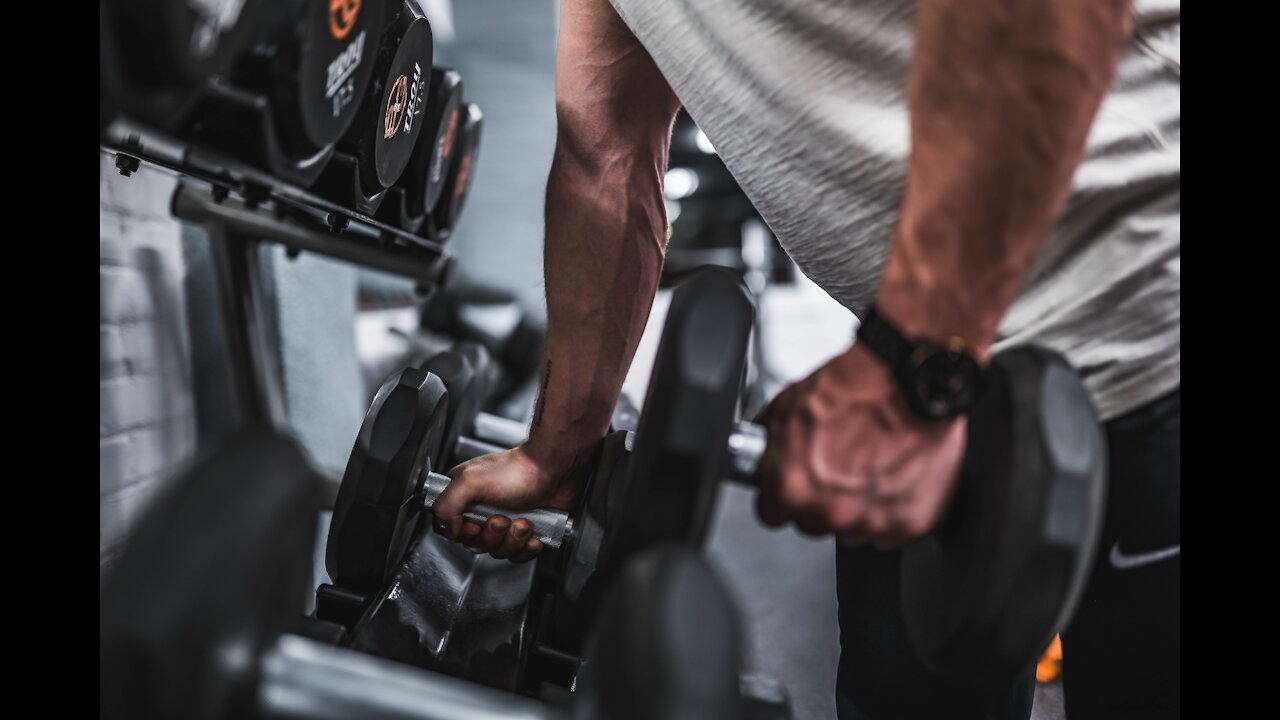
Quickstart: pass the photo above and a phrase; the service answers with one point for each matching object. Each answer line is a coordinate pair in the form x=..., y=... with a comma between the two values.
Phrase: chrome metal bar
x=302, y=678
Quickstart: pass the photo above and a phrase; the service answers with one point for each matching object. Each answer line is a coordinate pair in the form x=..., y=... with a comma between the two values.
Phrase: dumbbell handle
x=549, y=525
x=747, y=444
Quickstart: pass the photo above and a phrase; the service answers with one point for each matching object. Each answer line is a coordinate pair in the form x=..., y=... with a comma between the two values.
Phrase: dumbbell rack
x=240, y=206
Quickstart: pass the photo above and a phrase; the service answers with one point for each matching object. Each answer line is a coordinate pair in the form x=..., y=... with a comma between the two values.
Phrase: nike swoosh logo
x=1120, y=561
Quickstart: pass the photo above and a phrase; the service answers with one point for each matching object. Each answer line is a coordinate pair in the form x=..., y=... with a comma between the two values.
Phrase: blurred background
x=343, y=330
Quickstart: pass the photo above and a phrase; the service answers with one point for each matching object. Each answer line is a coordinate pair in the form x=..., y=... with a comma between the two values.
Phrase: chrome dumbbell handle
x=550, y=526
x=747, y=444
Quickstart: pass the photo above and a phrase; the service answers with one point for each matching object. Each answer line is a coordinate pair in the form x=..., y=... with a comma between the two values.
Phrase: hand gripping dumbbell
x=982, y=594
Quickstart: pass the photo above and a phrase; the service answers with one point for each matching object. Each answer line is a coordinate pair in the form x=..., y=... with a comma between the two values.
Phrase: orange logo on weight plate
x=342, y=17
x=396, y=101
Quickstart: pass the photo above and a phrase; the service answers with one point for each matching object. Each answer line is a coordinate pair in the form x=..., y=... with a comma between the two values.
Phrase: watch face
x=944, y=382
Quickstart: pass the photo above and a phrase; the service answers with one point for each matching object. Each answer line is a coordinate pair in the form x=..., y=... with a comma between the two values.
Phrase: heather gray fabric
x=805, y=102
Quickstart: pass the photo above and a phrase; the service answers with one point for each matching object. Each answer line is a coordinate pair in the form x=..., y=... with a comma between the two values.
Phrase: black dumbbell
x=314, y=61
x=376, y=148
x=388, y=485
x=193, y=616
x=457, y=184
x=982, y=594
x=414, y=195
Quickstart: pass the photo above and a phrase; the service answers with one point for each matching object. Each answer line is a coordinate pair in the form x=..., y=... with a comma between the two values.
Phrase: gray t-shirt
x=805, y=101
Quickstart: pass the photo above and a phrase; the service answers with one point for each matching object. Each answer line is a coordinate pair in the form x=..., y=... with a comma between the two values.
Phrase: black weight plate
x=460, y=379
x=388, y=124
x=984, y=594
x=324, y=64
x=457, y=183
x=682, y=438
x=217, y=567
x=378, y=504
x=668, y=644
x=425, y=178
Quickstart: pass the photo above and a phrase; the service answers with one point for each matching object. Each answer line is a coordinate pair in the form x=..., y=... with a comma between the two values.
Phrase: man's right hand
x=511, y=479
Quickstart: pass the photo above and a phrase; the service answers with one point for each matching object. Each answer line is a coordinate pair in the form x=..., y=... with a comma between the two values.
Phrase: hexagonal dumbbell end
x=378, y=507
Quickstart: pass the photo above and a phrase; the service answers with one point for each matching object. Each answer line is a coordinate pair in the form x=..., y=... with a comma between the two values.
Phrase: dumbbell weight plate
x=315, y=63
x=985, y=592
x=214, y=571
x=463, y=370
x=379, y=501
x=428, y=170
x=457, y=183
x=388, y=122
x=680, y=449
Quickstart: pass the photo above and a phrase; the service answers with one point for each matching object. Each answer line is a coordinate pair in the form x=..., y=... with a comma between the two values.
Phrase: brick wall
x=146, y=419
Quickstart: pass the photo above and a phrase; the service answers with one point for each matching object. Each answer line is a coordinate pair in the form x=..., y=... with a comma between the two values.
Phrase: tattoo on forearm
x=542, y=396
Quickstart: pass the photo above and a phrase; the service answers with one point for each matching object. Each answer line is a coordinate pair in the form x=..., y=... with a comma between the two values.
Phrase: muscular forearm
x=606, y=226
x=1001, y=96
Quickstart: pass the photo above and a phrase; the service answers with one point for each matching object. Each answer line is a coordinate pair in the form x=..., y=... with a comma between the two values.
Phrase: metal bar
x=471, y=448
x=195, y=205
x=255, y=375
x=499, y=430
x=302, y=678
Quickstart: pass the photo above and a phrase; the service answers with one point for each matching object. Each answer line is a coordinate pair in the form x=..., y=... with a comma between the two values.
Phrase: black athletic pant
x=1121, y=650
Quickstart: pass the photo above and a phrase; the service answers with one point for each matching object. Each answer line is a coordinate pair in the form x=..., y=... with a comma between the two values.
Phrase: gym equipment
x=668, y=644
x=194, y=619
x=215, y=569
x=457, y=184
x=414, y=196
x=163, y=55
x=193, y=616
x=495, y=318
x=982, y=594
x=314, y=62
x=374, y=152
x=388, y=485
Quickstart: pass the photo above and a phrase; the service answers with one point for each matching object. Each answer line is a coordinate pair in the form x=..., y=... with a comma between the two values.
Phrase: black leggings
x=1120, y=651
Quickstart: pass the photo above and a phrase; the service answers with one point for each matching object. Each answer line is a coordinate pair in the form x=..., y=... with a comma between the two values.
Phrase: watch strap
x=885, y=340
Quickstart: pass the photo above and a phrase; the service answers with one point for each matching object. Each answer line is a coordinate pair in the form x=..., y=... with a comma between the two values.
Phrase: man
x=1030, y=195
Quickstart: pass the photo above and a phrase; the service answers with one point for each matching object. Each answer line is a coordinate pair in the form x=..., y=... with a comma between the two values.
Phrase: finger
x=768, y=495
x=530, y=551
x=515, y=540
x=798, y=499
x=493, y=533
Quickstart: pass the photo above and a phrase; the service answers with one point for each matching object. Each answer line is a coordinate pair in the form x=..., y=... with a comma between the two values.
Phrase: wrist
x=558, y=453
x=921, y=305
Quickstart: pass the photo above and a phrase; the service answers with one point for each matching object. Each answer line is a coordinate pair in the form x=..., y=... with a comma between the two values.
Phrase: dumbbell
x=166, y=53
x=982, y=594
x=376, y=148
x=457, y=184
x=193, y=615
x=193, y=618
x=389, y=484
x=415, y=194
x=314, y=60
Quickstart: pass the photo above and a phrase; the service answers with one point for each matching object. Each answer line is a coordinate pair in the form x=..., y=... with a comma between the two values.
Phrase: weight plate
x=217, y=567
x=466, y=389
x=984, y=594
x=457, y=183
x=682, y=437
x=389, y=122
x=378, y=504
x=324, y=65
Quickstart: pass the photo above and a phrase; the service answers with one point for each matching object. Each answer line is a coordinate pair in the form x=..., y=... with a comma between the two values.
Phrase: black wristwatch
x=940, y=377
